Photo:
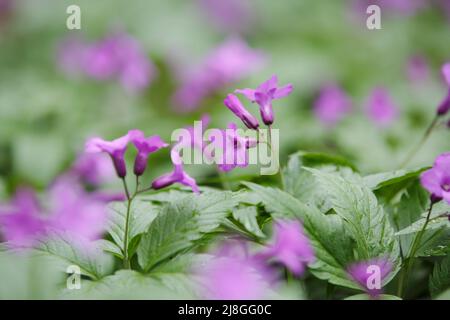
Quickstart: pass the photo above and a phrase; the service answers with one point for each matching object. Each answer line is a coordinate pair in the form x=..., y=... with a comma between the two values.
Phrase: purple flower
x=178, y=175
x=290, y=247
x=234, y=149
x=70, y=209
x=116, y=150
x=75, y=211
x=145, y=146
x=231, y=15
x=232, y=102
x=437, y=179
x=233, y=275
x=380, y=107
x=230, y=62
x=93, y=169
x=444, y=107
x=417, y=69
x=20, y=222
x=370, y=274
x=117, y=56
x=331, y=105
x=263, y=96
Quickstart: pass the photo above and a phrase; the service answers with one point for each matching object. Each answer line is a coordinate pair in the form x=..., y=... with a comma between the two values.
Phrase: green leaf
x=142, y=214
x=365, y=219
x=110, y=247
x=437, y=220
x=387, y=184
x=301, y=183
x=180, y=224
x=444, y=296
x=440, y=278
x=71, y=250
x=332, y=246
x=247, y=217
x=127, y=284
x=28, y=276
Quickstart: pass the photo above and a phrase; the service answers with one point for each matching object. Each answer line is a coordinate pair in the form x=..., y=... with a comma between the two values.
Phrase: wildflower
x=232, y=275
x=75, y=211
x=234, y=149
x=93, y=169
x=232, y=102
x=437, y=179
x=178, y=175
x=290, y=247
x=116, y=150
x=331, y=105
x=380, y=108
x=70, y=209
x=21, y=222
x=117, y=56
x=444, y=107
x=264, y=94
x=230, y=62
x=145, y=146
x=370, y=274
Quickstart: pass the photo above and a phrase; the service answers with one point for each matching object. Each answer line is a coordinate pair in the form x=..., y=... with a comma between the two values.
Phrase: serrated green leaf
x=301, y=183
x=332, y=246
x=142, y=214
x=71, y=250
x=247, y=216
x=365, y=218
x=180, y=224
x=440, y=278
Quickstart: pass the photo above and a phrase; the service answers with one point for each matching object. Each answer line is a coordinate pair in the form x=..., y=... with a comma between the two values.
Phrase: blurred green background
x=46, y=116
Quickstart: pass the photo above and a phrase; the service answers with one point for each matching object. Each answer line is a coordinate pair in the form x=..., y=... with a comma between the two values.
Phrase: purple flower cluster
x=437, y=179
x=117, y=56
x=70, y=209
x=230, y=62
x=236, y=274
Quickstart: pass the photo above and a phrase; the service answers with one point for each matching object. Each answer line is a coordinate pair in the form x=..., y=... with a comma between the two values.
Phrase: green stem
x=425, y=137
x=403, y=281
x=126, y=258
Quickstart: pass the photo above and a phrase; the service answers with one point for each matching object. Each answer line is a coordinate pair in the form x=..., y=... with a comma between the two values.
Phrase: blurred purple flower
x=145, y=146
x=380, y=107
x=93, y=169
x=232, y=102
x=437, y=179
x=117, y=56
x=230, y=62
x=75, y=211
x=264, y=94
x=232, y=275
x=70, y=209
x=290, y=247
x=370, y=274
x=332, y=105
x=231, y=15
x=116, y=150
x=21, y=223
x=444, y=107
x=178, y=175
x=417, y=69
